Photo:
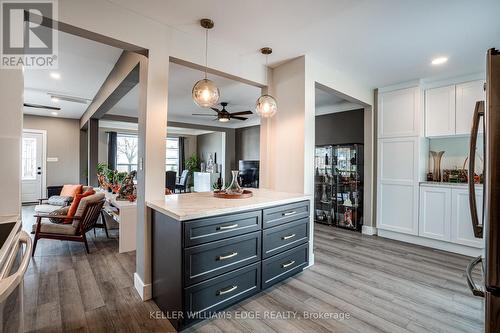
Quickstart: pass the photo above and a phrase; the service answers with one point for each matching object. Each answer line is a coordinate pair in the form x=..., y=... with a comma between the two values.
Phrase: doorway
x=33, y=157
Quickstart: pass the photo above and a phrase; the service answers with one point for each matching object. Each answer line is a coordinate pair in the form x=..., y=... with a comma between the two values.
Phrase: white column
x=11, y=129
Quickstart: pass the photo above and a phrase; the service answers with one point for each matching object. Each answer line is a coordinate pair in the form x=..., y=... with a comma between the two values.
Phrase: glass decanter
x=234, y=187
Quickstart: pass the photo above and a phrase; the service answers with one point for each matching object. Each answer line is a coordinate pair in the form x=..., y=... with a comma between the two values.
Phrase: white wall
x=63, y=142
x=11, y=125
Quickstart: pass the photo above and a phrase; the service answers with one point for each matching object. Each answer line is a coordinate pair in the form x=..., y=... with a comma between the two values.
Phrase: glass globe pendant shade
x=205, y=93
x=266, y=106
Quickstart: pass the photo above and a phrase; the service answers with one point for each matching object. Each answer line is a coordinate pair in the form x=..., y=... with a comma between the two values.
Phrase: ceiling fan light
x=266, y=106
x=205, y=93
x=223, y=120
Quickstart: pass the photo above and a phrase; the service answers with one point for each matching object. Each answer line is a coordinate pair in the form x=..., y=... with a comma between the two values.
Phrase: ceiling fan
x=223, y=115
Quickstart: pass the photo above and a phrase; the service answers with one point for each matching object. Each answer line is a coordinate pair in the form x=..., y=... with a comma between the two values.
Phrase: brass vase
x=436, y=171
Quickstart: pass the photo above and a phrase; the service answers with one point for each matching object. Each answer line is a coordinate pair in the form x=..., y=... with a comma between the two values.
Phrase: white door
x=461, y=226
x=467, y=95
x=399, y=113
x=32, y=166
x=440, y=111
x=435, y=213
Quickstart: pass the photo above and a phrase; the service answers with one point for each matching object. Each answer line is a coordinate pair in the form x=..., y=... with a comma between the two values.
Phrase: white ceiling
x=380, y=42
x=329, y=102
x=83, y=66
x=240, y=96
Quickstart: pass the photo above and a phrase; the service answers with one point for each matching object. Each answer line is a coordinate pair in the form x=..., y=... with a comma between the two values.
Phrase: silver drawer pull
x=226, y=227
x=290, y=263
x=288, y=237
x=289, y=213
x=226, y=290
x=234, y=254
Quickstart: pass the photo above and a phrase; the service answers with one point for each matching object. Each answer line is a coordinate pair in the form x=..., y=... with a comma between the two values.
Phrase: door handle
x=288, y=264
x=8, y=284
x=226, y=290
x=226, y=227
x=234, y=254
x=476, y=290
x=478, y=113
x=288, y=237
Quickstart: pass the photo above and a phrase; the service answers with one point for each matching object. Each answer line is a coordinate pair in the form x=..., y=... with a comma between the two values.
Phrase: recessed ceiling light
x=54, y=99
x=55, y=75
x=439, y=60
x=54, y=113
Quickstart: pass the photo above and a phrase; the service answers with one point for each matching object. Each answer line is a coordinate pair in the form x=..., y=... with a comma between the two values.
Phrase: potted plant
x=192, y=164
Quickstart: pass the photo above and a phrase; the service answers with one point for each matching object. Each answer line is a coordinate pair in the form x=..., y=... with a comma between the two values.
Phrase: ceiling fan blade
x=202, y=114
x=239, y=118
x=216, y=110
x=241, y=113
x=39, y=106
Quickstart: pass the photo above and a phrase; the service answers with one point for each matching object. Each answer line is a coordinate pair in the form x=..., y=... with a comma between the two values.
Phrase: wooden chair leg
x=86, y=244
x=34, y=244
x=104, y=224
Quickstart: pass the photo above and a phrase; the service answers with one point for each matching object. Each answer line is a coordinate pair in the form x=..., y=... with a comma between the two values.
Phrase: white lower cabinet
x=435, y=213
x=461, y=227
x=444, y=215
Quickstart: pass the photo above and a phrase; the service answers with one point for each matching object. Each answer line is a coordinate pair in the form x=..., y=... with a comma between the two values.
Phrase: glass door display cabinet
x=339, y=185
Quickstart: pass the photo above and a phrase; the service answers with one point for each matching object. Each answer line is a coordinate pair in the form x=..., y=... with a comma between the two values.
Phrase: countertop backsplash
x=456, y=151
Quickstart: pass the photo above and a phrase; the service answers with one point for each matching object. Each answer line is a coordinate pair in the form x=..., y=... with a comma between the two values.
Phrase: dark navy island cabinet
x=203, y=266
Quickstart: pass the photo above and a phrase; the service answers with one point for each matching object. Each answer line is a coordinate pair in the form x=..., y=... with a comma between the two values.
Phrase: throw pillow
x=57, y=200
x=58, y=212
x=75, y=203
x=71, y=190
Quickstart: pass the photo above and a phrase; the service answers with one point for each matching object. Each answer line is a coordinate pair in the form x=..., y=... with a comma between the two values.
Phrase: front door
x=32, y=166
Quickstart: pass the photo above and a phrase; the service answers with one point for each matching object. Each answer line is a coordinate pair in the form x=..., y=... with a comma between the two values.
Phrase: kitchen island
x=209, y=253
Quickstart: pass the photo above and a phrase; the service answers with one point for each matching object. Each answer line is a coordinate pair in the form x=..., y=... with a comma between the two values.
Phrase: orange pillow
x=71, y=190
x=74, y=205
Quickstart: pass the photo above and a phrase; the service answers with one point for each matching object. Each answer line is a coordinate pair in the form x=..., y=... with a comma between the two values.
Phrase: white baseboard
x=432, y=243
x=144, y=290
x=368, y=230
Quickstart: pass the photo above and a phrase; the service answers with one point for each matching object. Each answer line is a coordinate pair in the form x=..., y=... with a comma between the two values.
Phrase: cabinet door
x=468, y=94
x=399, y=113
x=435, y=213
x=461, y=227
x=397, y=189
x=440, y=111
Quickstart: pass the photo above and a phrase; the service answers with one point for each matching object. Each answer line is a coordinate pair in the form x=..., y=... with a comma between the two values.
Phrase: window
x=172, y=155
x=126, y=152
x=29, y=159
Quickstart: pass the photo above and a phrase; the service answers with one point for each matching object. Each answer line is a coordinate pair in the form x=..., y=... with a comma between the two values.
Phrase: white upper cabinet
x=468, y=94
x=449, y=109
x=399, y=113
x=440, y=111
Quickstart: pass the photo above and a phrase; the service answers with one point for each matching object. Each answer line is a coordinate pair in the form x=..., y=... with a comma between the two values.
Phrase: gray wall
x=340, y=127
x=63, y=142
x=210, y=143
x=247, y=143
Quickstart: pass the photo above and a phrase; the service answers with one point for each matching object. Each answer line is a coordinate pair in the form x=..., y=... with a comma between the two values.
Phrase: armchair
x=84, y=220
x=45, y=207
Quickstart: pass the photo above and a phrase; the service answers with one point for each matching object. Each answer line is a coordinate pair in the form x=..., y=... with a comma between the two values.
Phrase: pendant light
x=205, y=93
x=266, y=105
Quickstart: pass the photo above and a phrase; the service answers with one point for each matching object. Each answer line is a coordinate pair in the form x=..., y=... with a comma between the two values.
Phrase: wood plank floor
x=381, y=285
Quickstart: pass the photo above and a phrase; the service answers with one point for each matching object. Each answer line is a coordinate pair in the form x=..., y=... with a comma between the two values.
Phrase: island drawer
x=208, y=260
x=285, y=213
x=284, y=237
x=284, y=265
x=215, y=294
x=215, y=228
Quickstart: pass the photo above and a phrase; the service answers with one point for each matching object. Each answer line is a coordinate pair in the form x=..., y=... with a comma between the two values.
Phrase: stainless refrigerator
x=487, y=226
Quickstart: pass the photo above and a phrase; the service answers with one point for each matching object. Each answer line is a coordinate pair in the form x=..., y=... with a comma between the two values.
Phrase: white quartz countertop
x=443, y=184
x=190, y=206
